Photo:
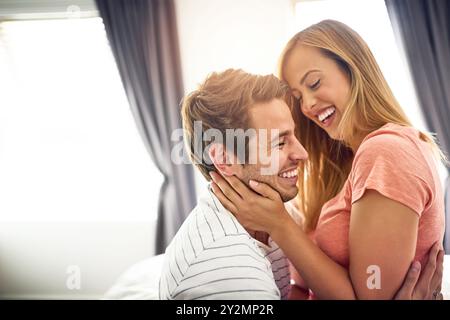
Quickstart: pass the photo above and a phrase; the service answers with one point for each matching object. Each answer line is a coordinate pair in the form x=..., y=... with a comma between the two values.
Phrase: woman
x=370, y=192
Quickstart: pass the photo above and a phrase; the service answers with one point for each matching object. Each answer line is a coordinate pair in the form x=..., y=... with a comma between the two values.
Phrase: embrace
x=347, y=203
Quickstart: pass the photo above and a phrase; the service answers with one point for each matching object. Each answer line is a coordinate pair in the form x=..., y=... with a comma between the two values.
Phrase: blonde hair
x=222, y=102
x=370, y=106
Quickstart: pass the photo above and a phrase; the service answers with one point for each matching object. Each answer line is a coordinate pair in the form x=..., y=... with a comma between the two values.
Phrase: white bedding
x=140, y=282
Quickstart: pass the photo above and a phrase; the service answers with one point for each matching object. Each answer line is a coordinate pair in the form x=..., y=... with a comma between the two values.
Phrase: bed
x=140, y=281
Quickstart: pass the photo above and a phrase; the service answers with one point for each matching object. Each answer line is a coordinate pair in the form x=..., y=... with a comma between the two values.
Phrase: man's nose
x=298, y=151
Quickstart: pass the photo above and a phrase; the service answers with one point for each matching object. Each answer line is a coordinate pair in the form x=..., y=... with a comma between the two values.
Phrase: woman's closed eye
x=315, y=85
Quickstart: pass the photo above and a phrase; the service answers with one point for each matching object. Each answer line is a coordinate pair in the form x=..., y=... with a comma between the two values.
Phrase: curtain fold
x=143, y=38
x=423, y=30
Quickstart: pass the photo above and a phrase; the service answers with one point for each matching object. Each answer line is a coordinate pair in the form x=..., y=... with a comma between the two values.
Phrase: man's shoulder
x=231, y=262
x=207, y=229
x=207, y=226
x=209, y=247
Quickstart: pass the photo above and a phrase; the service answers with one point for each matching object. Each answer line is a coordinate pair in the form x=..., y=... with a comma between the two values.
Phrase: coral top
x=395, y=162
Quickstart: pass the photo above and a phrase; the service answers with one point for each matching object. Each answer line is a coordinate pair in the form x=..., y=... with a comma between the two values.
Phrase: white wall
x=215, y=35
x=35, y=256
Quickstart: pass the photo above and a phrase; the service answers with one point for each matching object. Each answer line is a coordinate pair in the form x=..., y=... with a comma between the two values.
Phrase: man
x=212, y=256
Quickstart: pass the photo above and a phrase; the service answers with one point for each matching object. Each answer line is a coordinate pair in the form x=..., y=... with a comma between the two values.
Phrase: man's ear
x=224, y=162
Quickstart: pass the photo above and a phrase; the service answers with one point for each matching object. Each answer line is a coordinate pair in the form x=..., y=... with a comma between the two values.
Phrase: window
x=69, y=147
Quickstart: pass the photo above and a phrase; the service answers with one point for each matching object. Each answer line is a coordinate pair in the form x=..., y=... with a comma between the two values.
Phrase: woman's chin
x=333, y=134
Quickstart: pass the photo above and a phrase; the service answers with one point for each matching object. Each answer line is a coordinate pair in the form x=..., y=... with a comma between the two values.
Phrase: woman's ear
x=224, y=162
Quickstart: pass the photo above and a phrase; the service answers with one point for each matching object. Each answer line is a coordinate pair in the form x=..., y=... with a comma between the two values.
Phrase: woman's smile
x=327, y=116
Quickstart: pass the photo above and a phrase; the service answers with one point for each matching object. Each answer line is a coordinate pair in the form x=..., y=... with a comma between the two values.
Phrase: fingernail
x=253, y=183
x=416, y=266
x=211, y=174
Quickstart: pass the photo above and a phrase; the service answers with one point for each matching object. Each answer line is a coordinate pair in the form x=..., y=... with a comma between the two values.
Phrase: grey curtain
x=423, y=28
x=143, y=38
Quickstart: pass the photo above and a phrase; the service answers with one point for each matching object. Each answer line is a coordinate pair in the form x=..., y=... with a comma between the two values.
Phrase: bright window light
x=69, y=147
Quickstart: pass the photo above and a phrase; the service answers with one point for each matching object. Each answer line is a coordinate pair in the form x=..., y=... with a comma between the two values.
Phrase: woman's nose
x=308, y=103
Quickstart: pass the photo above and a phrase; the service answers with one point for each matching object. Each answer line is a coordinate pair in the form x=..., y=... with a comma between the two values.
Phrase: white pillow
x=139, y=282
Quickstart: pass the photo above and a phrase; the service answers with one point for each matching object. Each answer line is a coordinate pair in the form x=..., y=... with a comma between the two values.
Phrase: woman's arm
x=326, y=278
x=382, y=237
x=382, y=233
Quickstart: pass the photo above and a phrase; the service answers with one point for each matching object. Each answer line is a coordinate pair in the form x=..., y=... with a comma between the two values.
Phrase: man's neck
x=260, y=236
x=257, y=235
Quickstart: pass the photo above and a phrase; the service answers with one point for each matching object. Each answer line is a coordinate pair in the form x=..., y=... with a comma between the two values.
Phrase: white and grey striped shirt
x=213, y=257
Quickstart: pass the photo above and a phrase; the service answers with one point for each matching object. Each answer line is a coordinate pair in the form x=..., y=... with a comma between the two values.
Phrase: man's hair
x=222, y=102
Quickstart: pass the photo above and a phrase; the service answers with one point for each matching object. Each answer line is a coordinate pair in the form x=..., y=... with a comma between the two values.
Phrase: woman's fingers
x=424, y=283
x=239, y=186
x=265, y=190
x=223, y=199
x=436, y=281
x=226, y=189
x=409, y=284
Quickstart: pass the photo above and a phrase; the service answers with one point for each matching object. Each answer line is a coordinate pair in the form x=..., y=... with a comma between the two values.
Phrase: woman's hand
x=424, y=284
x=260, y=209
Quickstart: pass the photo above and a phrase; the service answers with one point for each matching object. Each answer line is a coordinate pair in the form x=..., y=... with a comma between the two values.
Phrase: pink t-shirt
x=394, y=161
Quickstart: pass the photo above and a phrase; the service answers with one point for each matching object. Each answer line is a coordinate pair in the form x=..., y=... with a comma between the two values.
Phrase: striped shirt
x=212, y=256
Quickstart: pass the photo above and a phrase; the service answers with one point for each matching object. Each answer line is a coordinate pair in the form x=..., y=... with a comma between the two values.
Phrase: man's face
x=275, y=148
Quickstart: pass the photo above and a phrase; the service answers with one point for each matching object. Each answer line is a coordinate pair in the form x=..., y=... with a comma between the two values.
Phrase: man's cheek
x=273, y=164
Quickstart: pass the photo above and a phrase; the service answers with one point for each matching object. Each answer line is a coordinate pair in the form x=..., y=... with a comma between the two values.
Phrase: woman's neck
x=356, y=142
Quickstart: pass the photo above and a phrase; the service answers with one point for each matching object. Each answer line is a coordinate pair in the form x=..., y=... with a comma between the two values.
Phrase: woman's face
x=322, y=87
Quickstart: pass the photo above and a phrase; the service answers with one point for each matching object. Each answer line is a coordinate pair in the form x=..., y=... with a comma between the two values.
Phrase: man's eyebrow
x=306, y=74
x=280, y=135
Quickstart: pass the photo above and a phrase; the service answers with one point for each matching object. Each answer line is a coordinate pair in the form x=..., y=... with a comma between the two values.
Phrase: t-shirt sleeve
x=393, y=166
x=228, y=269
